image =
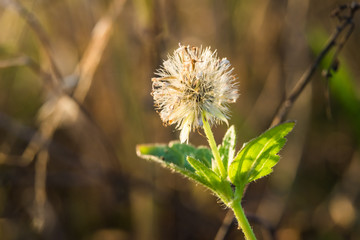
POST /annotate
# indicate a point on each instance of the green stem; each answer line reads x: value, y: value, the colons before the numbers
x: 214, y: 149
x: 242, y: 220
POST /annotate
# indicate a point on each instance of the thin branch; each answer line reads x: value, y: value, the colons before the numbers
x: 14, y: 62
x: 40, y: 190
x: 49, y: 122
x: 225, y: 227
x: 35, y: 25
x: 287, y: 104
x: 333, y: 67
x: 90, y: 61
x: 27, y: 61
x: 60, y: 107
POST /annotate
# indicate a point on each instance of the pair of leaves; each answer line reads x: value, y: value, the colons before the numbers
x: 255, y: 160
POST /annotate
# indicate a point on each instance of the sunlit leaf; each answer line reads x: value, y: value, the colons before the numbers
x: 203, y: 171
x: 257, y: 157
x: 174, y: 156
x: 227, y: 147
x: 194, y: 163
x: 220, y: 186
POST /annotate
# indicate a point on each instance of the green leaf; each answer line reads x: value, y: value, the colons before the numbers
x: 203, y: 171
x: 203, y: 154
x: 227, y: 148
x: 257, y: 157
x: 194, y: 163
x: 174, y: 156
x: 221, y: 187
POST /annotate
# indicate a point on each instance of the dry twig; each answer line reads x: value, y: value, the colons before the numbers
x: 35, y: 25
x: 345, y: 22
x: 59, y: 108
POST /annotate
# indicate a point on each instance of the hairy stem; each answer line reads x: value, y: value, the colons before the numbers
x: 242, y: 220
x: 214, y: 149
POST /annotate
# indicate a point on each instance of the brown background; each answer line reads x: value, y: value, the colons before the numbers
x: 80, y: 177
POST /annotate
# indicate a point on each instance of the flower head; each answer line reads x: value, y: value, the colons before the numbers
x: 193, y: 83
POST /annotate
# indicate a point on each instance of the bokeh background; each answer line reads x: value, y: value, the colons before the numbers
x: 75, y: 101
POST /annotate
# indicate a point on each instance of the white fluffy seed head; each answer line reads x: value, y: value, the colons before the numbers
x: 194, y: 82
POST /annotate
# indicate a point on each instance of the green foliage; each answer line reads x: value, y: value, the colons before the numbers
x: 194, y: 163
x: 255, y: 160
x: 220, y: 186
x: 257, y: 157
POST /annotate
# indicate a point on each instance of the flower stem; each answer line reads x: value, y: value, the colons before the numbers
x: 242, y: 220
x: 214, y: 149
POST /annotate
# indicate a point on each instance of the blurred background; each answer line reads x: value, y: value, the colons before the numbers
x: 75, y: 83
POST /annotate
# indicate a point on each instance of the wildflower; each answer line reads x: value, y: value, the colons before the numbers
x: 194, y: 83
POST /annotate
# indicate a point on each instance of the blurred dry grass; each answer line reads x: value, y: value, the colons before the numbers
x: 75, y: 100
